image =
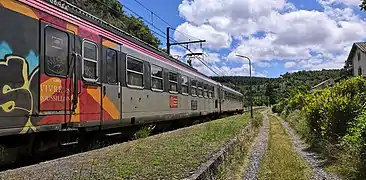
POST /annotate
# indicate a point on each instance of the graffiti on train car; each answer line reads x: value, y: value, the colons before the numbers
x: 16, y: 98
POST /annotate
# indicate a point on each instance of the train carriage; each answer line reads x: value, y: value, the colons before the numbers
x: 65, y: 70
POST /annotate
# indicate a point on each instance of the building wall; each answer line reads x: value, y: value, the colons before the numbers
x: 359, y: 63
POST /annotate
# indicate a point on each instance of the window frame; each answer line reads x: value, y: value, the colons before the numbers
x: 171, y: 81
x: 116, y: 68
x: 132, y: 71
x: 160, y: 78
x: 185, y: 85
x: 205, y: 90
x: 90, y: 60
x: 359, y: 71
x: 44, y: 51
x: 358, y: 56
x: 210, y: 92
x: 200, y: 88
x: 194, y: 87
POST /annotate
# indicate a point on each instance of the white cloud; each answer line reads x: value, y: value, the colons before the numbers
x: 290, y: 64
x: 346, y: 2
x: 215, y: 39
x: 307, y: 39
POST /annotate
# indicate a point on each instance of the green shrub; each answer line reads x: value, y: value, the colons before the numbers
x: 300, y: 124
x: 330, y: 111
x: 144, y: 132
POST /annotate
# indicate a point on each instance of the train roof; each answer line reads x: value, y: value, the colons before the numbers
x: 231, y: 90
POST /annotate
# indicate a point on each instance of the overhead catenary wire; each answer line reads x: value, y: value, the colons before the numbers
x: 163, y: 20
x: 161, y: 32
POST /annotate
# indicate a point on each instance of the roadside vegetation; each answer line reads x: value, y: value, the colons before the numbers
x: 281, y: 161
x: 238, y: 159
x: 171, y: 155
x: 333, y: 122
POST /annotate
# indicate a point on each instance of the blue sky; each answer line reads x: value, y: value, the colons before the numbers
x: 278, y: 35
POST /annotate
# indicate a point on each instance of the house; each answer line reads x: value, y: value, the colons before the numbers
x: 323, y: 85
x: 356, y: 61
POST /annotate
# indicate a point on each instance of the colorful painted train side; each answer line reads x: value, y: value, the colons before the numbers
x: 65, y: 71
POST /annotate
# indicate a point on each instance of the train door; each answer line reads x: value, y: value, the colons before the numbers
x: 112, y: 90
x: 56, y: 68
x: 219, y: 97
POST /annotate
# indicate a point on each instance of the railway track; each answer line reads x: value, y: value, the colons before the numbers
x: 101, y: 141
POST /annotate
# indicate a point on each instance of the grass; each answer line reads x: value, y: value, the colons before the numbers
x: 281, y: 161
x: 171, y: 155
x: 238, y: 160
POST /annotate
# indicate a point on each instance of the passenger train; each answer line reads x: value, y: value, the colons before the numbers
x: 66, y: 71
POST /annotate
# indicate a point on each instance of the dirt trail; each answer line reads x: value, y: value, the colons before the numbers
x: 260, y: 147
x: 310, y: 157
x: 258, y: 151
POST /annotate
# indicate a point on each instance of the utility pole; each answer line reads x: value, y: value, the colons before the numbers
x: 168, y: 44
x: 250, y: 84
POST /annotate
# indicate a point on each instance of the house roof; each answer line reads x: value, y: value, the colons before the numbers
x: 359, y: 45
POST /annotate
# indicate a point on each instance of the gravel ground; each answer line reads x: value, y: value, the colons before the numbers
x: 258, y: 151
x: 310, y: 157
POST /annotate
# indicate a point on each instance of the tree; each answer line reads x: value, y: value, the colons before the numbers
x: 112, y: 12
x: 363, y: 5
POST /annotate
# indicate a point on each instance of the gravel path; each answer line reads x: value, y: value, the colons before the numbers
x: 258, y: 151
x: 310, y: 157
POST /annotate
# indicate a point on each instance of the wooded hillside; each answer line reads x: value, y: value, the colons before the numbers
x: 272, y: 90
x: 112, y: 12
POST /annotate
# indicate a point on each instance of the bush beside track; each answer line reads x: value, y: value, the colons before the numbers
x: 172, y: 155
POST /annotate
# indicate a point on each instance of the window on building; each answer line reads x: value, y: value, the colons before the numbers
x: 359, y: 71
x: 56, y: 52
x: 135, y: 72
x: 200, y: 89
x: 156, y: 77
x: 173, y: 82
x: 184, y: 84
x: 194, y: 87
x: 90, y: 61
x: 358, y: 56
x: 111, y: 66
x: 205, y: 91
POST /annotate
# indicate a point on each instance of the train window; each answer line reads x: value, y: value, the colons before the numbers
x: 210, y: 91
x: 184, y: 84
x: 205, y: 91
x: 135, y: 72
x: 156, y: 77
x: 90, y: 61
x: 194, y: 87
x: 111, y: 68
x: 173, y: 82
x: 200, y: 89
x: 56, y: 52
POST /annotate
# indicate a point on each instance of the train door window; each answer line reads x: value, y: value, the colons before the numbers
x: 173, y: 82
x: 184, y: 85
x: 135, y: 73
x: 111, y: 68
x: 200, y: 89
x: 156, y: 78
x: 194, y: 87
x: 90, y: 61
x: 205, y: 91
x: 56, y: 52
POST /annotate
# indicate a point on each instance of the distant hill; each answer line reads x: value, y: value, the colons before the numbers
x: 273, y: 90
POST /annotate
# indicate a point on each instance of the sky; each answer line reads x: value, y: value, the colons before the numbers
x: 278, y: 36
